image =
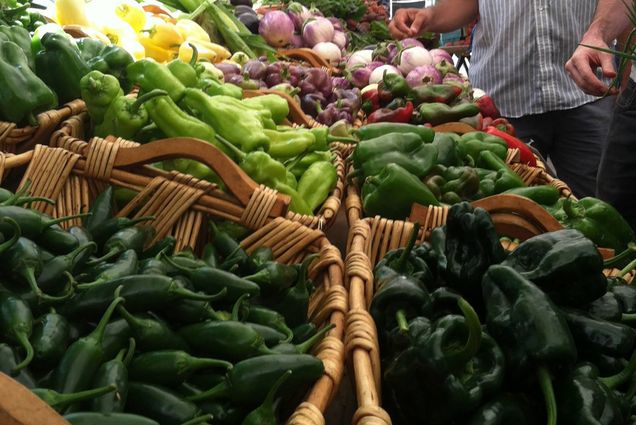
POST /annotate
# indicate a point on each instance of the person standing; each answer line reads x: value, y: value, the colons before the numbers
x: 519, y: 51
x: 617, y: 171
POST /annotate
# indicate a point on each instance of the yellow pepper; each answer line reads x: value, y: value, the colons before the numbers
x: 71, y: 12
x: 134, y: 47
x: 204, y: 54
x: 163, y: 34
x: 154, y: 51
x: 131, y: 12
x: 190, y: 30
x: 221, y: 52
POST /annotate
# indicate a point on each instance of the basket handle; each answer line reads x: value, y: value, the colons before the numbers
x: 238, y: 183
x: 307, y: 55
x: 19, y: 405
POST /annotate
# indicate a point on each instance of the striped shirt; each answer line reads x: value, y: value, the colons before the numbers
x: 519, y: 52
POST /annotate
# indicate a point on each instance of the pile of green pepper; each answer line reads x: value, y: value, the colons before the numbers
x: 472, y: 335
x: 107, y: 330
x: 413, y: 164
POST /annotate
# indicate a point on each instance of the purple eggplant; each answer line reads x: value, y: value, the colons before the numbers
x: 332, y: 113
x: 250, y: 21
x: 349, y: 98
x: 316, y: 80
x: 255, y: 68
x: 340, y: 83
x: 312, y: 103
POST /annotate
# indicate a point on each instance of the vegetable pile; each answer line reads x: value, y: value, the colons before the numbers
x: 186, y: 100
x: 107, y: 331
x: 470, y: 334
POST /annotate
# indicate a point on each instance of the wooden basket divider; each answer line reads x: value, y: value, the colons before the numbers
x: 311, y: 57
x: 16, y: 139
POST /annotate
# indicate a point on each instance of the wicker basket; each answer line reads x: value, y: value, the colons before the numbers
x: 369, y: 240
x: 14, y: 139
x: 72, y: 179
x: 75, y: 129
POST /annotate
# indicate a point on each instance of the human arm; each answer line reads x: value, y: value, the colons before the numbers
x: 445, y: 16
x: 610, y: 22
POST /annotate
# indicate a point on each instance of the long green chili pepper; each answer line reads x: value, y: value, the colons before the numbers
x: 125, y: 265
x: 24, y: 262
x: 21, y: 196
x: 265, y: 414
x: 294, y: 304
x: 95, y: 418
x: 170, y: 367
x: 133, y: 238
x: 83, y: 237
x: 83, y: 358
x: 152, y: 333
x: 16, y: 324
x: 101, y: 210
x: 53, y: 270
x: 115, y: 373
x: 249, y: 381
x: 116, y: 336
x: 228, y: 248
x: 5, y: 245
x: 209, y: 280
x: 32, y: 223
x: 60, y: 401
x: 51, y: 336
x: 113, y: 225
x: 229, y: 340
x: 160, y: 404
x: 8, y: 364
x: 166, y: 245
x: 271, y: 318
x: 305, y: 346
x: 143, y: 292
x: 57, y: 240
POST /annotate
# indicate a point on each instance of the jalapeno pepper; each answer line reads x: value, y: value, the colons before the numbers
x: 94, y: 418
x: 51, y: 336
x: 125, y: 265
x: 8, y: 363
x: 52, y: 273
x: 160, y: 404
x: 152, y: 333
x: 114, y: 373
x: 16, y: 324
x: 265, y: 413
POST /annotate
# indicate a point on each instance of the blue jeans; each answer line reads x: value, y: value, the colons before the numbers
x: 572, y: 139
x: 617, y: 171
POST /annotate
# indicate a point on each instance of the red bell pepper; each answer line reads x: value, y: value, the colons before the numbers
x: 370, y: 101
x: 525, y: 154
x: 402, y: 114
x: 504, y: 125
x: 487, y: 107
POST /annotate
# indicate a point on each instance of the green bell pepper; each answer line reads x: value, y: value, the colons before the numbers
x: 398, y: 299
x: 532, y: 332
x: 471, y: 246
x: 277, y: 105
x: 22, y: 38
x: 152, y: 75
x: 418, y: 161
x: 564, y: 264
x: 448, y: 372
x: 454, y: 184
x: 596, y: 336
x: 99, y: 91
x: 405, y: 261
x: 60, y: 66
x: 503, y: 410
x: 597, y: 220
x: 396, y: 84
x: 473, y: 143
x: 447, y: 145
x: 584, y: 398
x: 544, y: 194
x: 107, y: 58
x: 440, y: 113
x: 393, y: 191
x: 375, y: 130
x: 215, y: 88
x: 238, y: 126
x: 391, y: 142
x: 434, y: 93
x: 126, y: 116
x: 317, y: 182
x: 288, y: 144
x: 22, y: 93
x: 506, y: 178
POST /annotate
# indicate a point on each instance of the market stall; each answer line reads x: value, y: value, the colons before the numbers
x: 168, y: 170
